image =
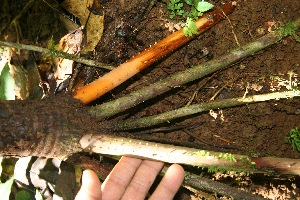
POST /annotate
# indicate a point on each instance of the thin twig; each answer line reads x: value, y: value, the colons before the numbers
x: 222, y: 88
x: 59, y: 54
x: 232, y: 30
x: 201, y: 86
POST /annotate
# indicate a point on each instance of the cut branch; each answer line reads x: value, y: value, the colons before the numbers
x: 121, y: 104
x: 201, y: 107
x: 144, y: 59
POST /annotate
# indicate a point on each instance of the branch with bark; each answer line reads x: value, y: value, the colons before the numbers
x: 201, y: 107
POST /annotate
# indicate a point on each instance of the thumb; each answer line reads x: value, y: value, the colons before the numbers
x: 90, y: 188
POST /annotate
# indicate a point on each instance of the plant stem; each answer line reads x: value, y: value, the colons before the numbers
x: 144, y: 59
x: 60, y: 54
x: 114, y: 145
x: 197, y: 108
x: 121, y: 104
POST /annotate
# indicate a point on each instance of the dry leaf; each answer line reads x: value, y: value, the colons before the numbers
x: 94, y: 26
x: 70, y: 43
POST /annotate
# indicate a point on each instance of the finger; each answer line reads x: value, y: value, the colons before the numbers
x: 90, y: 188
x: 143, y: 179
x: 117, y: 181
x: 170, y: 183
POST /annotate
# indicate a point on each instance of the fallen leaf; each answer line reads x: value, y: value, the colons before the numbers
x: 95, y: 23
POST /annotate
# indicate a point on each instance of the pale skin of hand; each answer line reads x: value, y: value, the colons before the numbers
x: 131, y: 178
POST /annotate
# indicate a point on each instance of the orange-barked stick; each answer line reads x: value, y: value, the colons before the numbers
x: 139, y: 62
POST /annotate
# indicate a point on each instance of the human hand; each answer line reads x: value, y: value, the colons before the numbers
x: 131, y: 178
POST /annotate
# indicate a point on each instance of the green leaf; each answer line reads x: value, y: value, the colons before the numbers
x: 294, y: 139
x: 296, y: 37
x: 23, y: 195
x: 171, y: 7
x: 172, y: 15
x: 189, y: 2
x: 180, y: 12
x: 190, y: 27
x: 195, y: 13
x: 7, y: 84
x: 203, y: 6
x: 5, y: 188
x: 178, y: 6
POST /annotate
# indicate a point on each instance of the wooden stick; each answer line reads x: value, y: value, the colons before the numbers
x: 201, y: 107
x: 120, y: 146
x: 139, y: 62
x: 115, y: 145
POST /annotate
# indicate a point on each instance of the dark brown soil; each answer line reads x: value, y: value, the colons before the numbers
x: 130, y: 27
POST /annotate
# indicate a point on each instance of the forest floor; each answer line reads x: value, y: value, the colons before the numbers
x: 259, y: 128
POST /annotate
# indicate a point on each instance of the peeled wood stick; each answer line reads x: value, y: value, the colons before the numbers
x: 139, y: 62
x: 120, y: 146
